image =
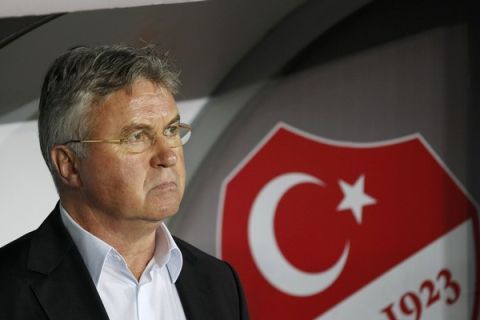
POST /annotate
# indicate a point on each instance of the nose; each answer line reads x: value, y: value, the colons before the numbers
x: 163, y: 155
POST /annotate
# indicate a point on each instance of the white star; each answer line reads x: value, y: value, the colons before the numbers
x: 354, y: 198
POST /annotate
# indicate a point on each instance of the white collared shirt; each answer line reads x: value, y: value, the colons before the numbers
x: 153, y: 296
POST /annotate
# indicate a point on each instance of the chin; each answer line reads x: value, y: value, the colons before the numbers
x: 161, y: 212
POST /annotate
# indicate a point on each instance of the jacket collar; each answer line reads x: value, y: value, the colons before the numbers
x: 193, y: 287
x: 50, y: 243
x: 66, y: 291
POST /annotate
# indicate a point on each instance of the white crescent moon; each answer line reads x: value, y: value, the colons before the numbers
x: 266, y: 253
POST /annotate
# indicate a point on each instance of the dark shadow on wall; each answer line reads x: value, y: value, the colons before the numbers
x: 375, y: 24
x: 473, y: 164
x: 14, y: 28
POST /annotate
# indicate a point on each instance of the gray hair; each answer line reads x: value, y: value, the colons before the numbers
x: 83, y: 76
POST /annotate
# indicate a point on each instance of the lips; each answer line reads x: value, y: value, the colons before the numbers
x: 166, y: 186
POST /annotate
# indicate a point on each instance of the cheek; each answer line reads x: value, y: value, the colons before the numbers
x: 130, y: 174
x: 125, y: 185
x: 116, y: 176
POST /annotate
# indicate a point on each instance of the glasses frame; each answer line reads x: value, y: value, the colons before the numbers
x: 124, y: 140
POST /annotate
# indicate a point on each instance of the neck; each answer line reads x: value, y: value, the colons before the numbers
x: 133, y: 239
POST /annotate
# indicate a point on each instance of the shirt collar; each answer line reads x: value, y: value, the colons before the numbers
x: 94, y: 251
x: 167, y: 251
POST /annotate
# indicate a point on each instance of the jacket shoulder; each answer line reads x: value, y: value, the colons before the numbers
x: 194, y: 252
x: 201, y: 258
x: 13, y: 256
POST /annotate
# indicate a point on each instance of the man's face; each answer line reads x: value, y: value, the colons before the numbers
x: 124, y: 185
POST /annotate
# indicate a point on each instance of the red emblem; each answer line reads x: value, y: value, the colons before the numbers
x: 320, y: 229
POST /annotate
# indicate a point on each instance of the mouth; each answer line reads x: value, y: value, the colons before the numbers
x: 166, y: 186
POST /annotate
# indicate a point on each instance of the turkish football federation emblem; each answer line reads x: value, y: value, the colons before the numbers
x: 320, y: 229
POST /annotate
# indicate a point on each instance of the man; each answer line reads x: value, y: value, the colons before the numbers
x: 111, y: 136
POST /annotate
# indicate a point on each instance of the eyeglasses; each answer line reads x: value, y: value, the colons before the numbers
x: 176, y: 135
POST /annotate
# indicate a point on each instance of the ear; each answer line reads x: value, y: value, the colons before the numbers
x: 66, y: 164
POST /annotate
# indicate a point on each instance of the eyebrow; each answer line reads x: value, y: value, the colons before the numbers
x: 175, y: 119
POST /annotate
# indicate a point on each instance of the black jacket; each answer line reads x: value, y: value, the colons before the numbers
x: 43, y: 276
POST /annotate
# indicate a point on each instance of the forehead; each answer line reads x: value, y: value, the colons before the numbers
x: 144, y: 102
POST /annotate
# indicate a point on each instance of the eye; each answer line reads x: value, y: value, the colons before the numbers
x: 138, y: 137
x: 171, y: 130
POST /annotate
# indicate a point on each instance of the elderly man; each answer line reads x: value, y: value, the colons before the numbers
x: 112, y: 138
